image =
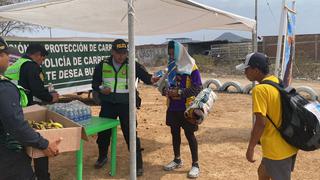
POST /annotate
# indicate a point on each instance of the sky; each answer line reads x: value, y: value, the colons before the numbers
x: 268, y: 21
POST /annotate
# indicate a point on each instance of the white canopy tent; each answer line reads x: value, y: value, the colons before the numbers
x: 152, y: 17
x: 125, y: 17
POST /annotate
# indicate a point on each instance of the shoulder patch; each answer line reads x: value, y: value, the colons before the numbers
x: 41, y: 76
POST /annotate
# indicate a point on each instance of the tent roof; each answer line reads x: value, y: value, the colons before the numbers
x: 152, y: 17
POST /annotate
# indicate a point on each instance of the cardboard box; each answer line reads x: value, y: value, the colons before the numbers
x: 71, y: 133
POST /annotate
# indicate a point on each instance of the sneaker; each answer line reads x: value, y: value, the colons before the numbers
x: 194, y: 172
x: 100, y: 162
x: 172, y: 165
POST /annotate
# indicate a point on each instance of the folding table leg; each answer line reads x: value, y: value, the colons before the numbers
x: 79, y: 161
x: 114, y: 151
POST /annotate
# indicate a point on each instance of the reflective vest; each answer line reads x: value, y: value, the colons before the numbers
x: 13, y: 71
x: 22, y: 93
x: 117, y: 81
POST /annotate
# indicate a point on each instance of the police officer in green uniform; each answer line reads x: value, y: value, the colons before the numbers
x: 15, y: 132
x: 110, y: 80
x: 27, y: 72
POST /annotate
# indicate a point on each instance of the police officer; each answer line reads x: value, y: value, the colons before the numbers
x: 27, y: 72
x: 15, y: 133
x: 110, y: 80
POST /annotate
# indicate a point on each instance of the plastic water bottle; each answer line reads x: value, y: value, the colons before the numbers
x: 80, y: 113
x: 87, y: 113
x: 72, y: 115
x: 68, y: 113
x: 159, y: 73
x: 76, y: 114
x: 74, y: 110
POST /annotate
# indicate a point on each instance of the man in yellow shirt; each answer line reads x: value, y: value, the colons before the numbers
x: 278, y: 156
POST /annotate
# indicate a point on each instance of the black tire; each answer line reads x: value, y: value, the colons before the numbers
x: 216, y: 82
x: 235, y: 84
x: 306, y: 89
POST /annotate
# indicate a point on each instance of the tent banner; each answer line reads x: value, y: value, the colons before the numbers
x: 289, y: 51
x: 69, y: 63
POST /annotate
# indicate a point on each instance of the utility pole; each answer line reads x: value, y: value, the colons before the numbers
x: 255, y: 30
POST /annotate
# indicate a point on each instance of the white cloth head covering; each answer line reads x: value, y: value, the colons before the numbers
x: 183, y: 60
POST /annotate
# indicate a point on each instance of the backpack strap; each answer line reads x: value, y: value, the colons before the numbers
x: 280, y: 88
x: 272, y: 122
x: 276, y: 85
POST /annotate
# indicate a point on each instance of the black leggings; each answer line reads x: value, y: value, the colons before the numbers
x: 176, y: 141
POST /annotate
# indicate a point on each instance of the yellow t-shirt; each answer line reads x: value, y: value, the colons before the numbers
x: 267, y: 100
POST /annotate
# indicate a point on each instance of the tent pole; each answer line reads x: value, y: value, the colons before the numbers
x: 132, y: 91
x: 255, y: 46
x: 277, y: 69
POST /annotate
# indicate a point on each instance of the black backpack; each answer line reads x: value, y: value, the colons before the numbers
x: 299, y: 126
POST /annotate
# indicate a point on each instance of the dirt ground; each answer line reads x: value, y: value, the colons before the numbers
x: 222, y: 139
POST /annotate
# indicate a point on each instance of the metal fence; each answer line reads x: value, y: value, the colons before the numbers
x: 230, y: 51
x: 307, y: 60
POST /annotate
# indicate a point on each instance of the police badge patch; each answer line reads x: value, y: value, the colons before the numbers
x: 41, y: 76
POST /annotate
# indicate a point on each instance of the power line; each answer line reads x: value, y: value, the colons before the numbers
x: 268, y: 4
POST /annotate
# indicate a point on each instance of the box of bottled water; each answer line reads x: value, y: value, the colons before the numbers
x: 74, y: 110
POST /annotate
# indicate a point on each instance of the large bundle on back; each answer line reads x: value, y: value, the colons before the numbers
x: 201, y: 106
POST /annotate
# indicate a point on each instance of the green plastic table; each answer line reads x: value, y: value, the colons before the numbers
x: 93, y: 126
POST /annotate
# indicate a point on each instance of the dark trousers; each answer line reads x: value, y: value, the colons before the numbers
x: 15, y: 165
x: 41, y: 168
x: 110, y: 110
x: 176, y: 121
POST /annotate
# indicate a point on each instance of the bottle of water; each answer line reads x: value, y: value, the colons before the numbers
x: 74, y: 110
x: 88, y: 111
x: 80, y: 113
x: 68, y: 113
x: 72, y: 115
x: 83, y: 113
x: 60, y: 111
x: 76, y: 114
x: 78, y: 110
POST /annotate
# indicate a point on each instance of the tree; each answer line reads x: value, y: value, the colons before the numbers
x: 7, y: 27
